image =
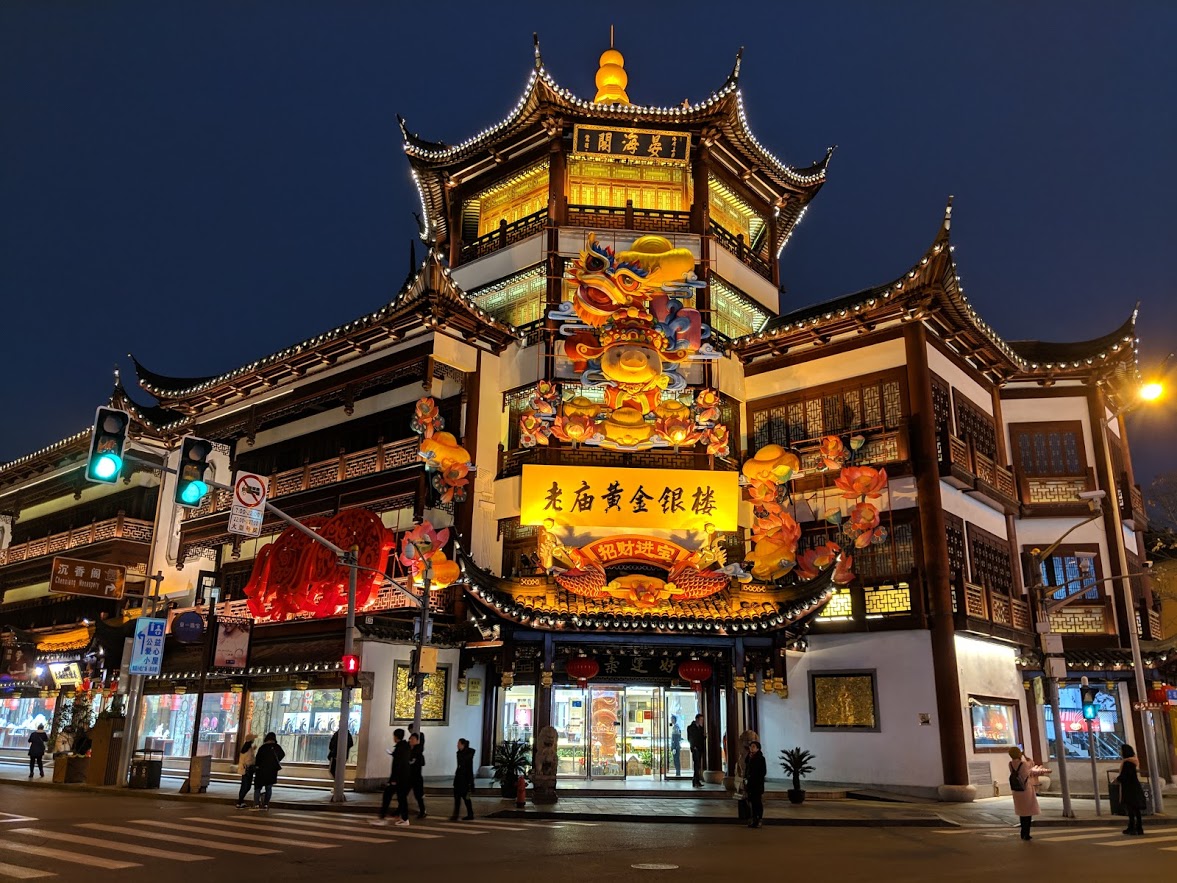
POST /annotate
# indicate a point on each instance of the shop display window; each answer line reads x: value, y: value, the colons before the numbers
x: 304, y: 721
x: 20, y: 717
x: 995, y: 723
x: 166, y: 723
x: 518, y: 713
x: 1107, y: 728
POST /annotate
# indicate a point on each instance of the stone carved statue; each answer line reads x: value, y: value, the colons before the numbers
x: 543, y: 774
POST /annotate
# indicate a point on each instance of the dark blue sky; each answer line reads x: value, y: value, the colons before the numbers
x: 237, y: 165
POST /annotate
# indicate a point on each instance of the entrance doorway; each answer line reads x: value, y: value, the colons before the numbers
x: 624, y: 732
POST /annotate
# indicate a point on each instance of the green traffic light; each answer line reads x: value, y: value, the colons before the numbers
x: 107, y: 466
x: 194, y: 492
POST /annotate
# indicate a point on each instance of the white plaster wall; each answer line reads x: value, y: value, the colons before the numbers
x: 519, y: 367
x: 868, y: 360
x: 972, y: 510
x: 903, y: 753
x: 484, y: 544
x: 499, y: 264
x: 465, y: 721
x: 745, y: 278
x: 960, y: 380
x: 985, y: 668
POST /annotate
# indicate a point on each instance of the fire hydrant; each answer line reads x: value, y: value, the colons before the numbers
x: 521, y: 792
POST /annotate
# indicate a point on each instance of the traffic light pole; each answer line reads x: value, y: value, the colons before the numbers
x: 1094, y: 768
x: 343, y: 731
x: 422, y: 637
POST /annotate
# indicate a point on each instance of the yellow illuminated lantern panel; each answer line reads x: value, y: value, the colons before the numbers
x: 594, y: 496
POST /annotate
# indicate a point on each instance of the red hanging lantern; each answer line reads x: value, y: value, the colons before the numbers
x: 226, y: 701
x: 14, y: 703
x: 583, y: 668
x: 177, y: 702
x: 696, y: 671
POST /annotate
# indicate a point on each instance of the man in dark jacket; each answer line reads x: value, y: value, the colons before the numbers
x: 266, y: 764
x: 333, y: 750
x: 399, y: 781
x: 697, y: 739
x: 464, y: 780
x: 38, y: 739
x: 417, y: 767
x: 755, y: 772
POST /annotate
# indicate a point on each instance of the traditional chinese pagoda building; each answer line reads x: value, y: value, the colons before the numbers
x: 661, y: 496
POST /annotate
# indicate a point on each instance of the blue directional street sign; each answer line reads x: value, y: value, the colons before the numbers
x: 147, y: 654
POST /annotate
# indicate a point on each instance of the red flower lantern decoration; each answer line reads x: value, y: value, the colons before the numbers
x: 696, y: 671
x: 583, y: 668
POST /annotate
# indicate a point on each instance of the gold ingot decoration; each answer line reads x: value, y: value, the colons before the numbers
x: 626, y: 426
x: 579, y: 406
x: 442, y: 450
x: 772, y: 463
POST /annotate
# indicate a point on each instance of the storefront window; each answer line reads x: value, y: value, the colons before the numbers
x: 518, y: 711
x: 995, y: 723
x: 303, y: 720
x: 20, y: 717
x: 166, y: 724
x: 1107, y: 728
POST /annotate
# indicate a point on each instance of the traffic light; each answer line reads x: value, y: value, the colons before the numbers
x: 191, y: 487
x: 351, y: 670
x: 1090, y: 712
x: 106, y: 445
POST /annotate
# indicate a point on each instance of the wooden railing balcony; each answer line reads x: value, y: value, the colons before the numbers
x: 881, y: 446
x: 737, y: 246
x: 650, y: 220
x: 964, y: 467
x: 118, y: 528
x: 511, y: 462
x: 506, y: 234
x: 1081, y: 619
x: 1055, y: 495
x: 996, y: 607
x: 392, y: 455
x: 1131, y: 501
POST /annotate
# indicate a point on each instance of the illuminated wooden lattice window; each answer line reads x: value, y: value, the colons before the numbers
x: 1043, y: 450
x: 864, y: 403
x: 838, y: 608
x: 611, y: 183
x: 1073, y: 570
x: 974, y: 425
x: 734, y: 215
x: 990, y: 559
x: 516, y: 300
x: 520, y: 542
x: 734, y: 314
x: 517, y: 197
x: 887, y: 600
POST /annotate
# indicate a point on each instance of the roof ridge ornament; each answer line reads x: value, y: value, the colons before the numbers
x: 539, y: 59
x: 611, y: 77
x: 735, y: 75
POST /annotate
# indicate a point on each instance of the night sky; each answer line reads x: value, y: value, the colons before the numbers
x: 206, y: 183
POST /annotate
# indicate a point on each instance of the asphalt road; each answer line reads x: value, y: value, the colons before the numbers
x: 100, y: 837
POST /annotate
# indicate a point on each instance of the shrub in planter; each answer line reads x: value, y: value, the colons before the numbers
x: 510, y: 761
x: 795, y: 763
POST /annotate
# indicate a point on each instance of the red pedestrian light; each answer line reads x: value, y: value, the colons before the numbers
x: 351, y: 665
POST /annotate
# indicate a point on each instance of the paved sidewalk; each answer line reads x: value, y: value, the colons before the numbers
x: 710, y: 807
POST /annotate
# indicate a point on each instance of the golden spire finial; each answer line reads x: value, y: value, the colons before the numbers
x: 611, y: 76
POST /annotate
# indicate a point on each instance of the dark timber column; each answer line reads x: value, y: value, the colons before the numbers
x: 490, y: 702
x: 1117, y: 562
x: 543, y: 690
x: 937, y: 572
x: 713, y: 763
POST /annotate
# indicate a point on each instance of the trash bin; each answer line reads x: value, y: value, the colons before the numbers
x: 146, y: 768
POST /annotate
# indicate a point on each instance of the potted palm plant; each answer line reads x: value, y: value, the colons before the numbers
x: 511, y: 761
x: 795, y: 763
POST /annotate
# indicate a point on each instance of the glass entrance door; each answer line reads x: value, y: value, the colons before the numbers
x: 680, y: 708
x: 606, y: 760
x: 644, y: 733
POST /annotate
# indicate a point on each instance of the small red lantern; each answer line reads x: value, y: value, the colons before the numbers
x: 583, y: 668
x: 696, y: 671
x: 226, y: 701
x: 177, y: 702
x: 14, y: 703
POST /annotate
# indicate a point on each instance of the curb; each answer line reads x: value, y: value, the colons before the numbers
x: 722, y: 820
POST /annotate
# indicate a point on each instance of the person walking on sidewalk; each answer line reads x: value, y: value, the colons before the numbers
x: 38, y: 739
x: 464, y: 780
x: 755, y: 772
x: 1131, y: 791
x: 417, y: 772
x: 333, y: 750
x: 245, y: 763
x: 266, y: 764
x: 399, y: 781
x: 697, y: 739
x: 1023, y: 783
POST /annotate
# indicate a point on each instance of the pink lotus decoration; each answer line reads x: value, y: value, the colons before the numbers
x: 813, y: 561
x: 833, y: 452
x: 864, y: 522
x: 859, y: 482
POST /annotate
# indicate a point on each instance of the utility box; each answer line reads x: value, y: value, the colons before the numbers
x: 200, y: 770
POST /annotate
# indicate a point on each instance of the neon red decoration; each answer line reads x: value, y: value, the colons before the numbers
x: 296, y: 576
x: 583, y: 668
x: 696, y: 671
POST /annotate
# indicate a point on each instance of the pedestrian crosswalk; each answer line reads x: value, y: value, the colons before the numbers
x: 1163, y: 839
x: 34, y: 849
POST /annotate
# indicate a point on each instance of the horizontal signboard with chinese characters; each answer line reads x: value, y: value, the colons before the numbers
x: 72, y: 576
x: 623, y: 143
x: 654, y: 499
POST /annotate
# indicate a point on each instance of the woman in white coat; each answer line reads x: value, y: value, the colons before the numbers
x: 1026, y: 773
